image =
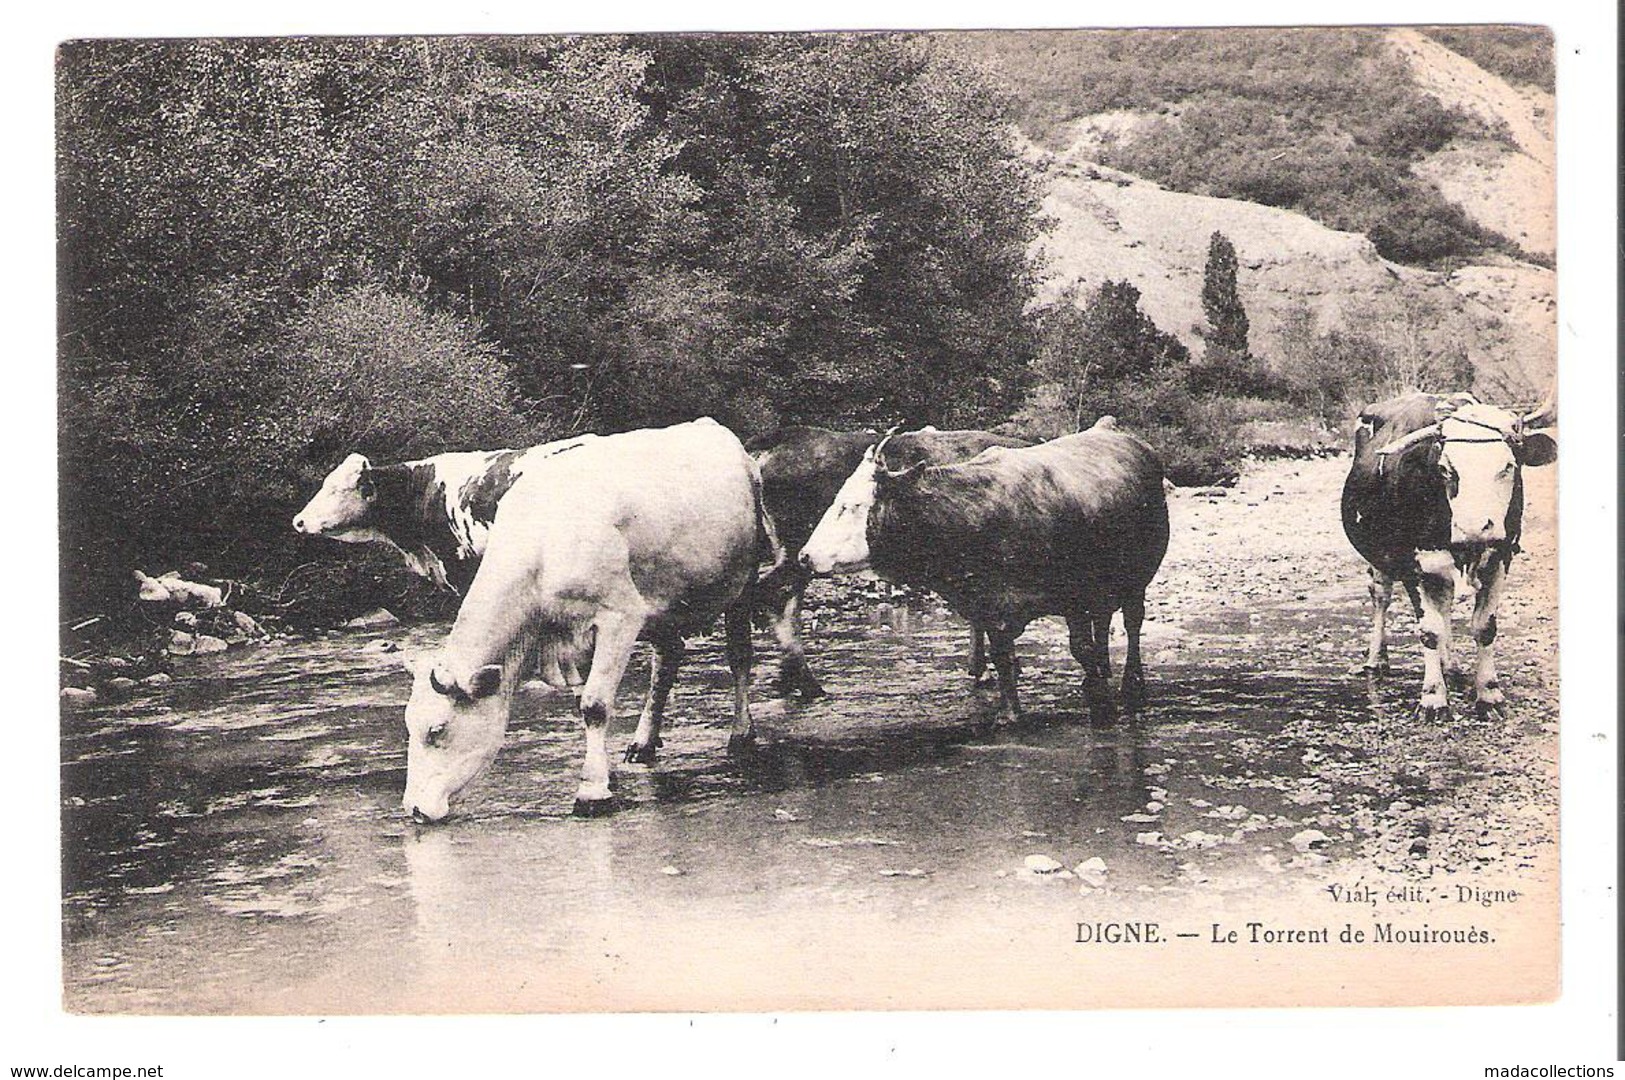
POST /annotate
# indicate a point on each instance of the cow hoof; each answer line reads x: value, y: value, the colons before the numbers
x: 1368, y: 668
x: 741, y: 745
x: 1491, y: 710
x: 985, y: 681
x: 640, y: 754
x: 1434, y: 714
x: 803, y: 687
x: 809, y: 689
x: 592, y: 808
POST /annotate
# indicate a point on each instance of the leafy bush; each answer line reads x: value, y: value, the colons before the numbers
x: 1106, y: 356
x: 1234, y: 374
x: 1334, y: 373
x: 378, y: 373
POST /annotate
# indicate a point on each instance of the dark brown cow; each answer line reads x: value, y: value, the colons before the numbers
x: 1075, y: 527
x: 802, y: 470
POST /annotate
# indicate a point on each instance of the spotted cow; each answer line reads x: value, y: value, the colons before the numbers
x: 1436, y: 491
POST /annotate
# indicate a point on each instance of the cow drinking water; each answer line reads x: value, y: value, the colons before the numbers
x: 1436, y: 489
x: 646, y: 534
x: 1075, y: 527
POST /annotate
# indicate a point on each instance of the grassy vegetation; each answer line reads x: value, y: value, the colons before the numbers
x: 1326, y: 122
x: 1522, y: 55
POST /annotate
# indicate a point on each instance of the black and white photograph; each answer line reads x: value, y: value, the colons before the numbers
x: 816, y: 521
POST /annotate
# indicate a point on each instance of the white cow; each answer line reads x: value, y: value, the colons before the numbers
x: 649, y: 534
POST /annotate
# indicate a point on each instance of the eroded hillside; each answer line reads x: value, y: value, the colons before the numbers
x: 1108, y: 224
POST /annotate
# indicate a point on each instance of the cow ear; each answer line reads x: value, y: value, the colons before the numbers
x: 1539, y: 449
x: 485, y: 681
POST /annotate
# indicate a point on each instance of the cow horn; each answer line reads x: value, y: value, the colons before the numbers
x: 437, y: 686
x: 1404, y: 443
x: 1545, y: 414
x: 880, y: 446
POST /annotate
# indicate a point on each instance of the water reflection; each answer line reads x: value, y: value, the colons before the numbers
x: 235, y: 843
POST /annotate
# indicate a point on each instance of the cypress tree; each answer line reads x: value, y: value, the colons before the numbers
x: 1226, y: 318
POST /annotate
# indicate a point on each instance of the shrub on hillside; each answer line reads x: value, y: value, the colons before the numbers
x: 1334, y: 373
x: 1107, y: 357
x: 1522, y: 55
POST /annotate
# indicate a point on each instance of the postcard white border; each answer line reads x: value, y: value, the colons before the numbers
x: 1578, y: 1029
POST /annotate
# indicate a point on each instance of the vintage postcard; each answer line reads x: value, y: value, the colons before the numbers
x: 975, y: 520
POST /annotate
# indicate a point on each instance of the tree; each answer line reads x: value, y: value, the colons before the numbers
x: 271, y: 250
x: 1226, y: 318
x: 1091, y: 350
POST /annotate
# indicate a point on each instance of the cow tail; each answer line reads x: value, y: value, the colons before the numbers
x: 769, y: 551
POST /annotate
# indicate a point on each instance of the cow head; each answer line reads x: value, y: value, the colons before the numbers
x: 342, y: 509
x: 454, y: 726
x: 1481, y: 450
x: 840, y: 543
x: 841, y: 539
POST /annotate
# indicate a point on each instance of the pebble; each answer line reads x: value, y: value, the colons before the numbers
x: 157, y: 678
x: 78, y: 695
x: 382, y: 647
x: 121, y: 684
x: 671, y: 871
x: 1041, y: 864
x: 1309, y: 838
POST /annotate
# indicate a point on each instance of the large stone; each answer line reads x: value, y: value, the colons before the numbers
x: 78, y: 695
x: 375, y: 618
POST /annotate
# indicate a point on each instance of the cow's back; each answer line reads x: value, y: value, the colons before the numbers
x: 673, y: 510
x: 930, y: 447
x: 1044, y: 529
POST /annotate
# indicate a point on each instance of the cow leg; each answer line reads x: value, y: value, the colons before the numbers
x: 736, y: 622
x: 1486, y: 686
x: 1381, y: 591
x: 1083, y: 635
x: 1133, y: 668
x: 977, y: 665
x: 668, y: 654
x: 978, y: 652
x: 1101, y: 709
x: 1002, y: 645
x: 795, y: 677
x: 1438, y: 589
x: 617, y: 634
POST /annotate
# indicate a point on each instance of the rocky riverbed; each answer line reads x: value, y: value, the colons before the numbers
x: 233, y: 840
